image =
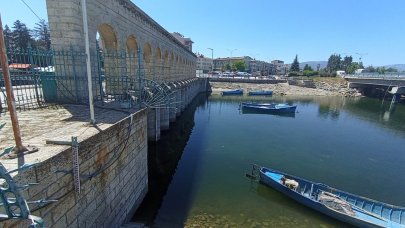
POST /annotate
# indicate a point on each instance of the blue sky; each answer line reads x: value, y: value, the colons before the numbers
x: 272, y: 29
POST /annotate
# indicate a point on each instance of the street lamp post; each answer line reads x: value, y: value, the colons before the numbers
x: 212, y: 56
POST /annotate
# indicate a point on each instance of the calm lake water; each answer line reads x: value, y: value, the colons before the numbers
x: 197, y: 171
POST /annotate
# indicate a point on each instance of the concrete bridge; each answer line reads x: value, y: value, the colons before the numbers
x: 394, y: 84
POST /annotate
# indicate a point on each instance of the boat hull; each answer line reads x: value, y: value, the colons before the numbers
x: 260, y: 93
x: 269, y: 107
x: 363, y: 219
x: 232, y: 92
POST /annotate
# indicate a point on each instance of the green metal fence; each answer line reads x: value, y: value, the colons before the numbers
x: 40, y: 77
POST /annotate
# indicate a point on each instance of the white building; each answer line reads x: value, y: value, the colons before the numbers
x: 204, y: 64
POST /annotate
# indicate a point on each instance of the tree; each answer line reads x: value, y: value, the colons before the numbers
x: 240, y: 65
x: 227, y: 67
x: 308, y: 68
x: 381, y: 70
x: 346, y: 63
x: 8, y: 38
x: 392, y: 70
x: 370, y: 69
x: 42, y: 35
x: 21, y: 35
x: 295, y: 66
x: 353, y: 67
x: 334, y: 63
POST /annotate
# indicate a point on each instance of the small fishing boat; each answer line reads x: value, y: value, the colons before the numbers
x: 260, y: 93
x: 269, y: 107
x: 344, y: 206
x: 233, y: 92
x: 266, y: 112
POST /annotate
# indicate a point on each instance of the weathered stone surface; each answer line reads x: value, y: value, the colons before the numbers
x: 109, y: 179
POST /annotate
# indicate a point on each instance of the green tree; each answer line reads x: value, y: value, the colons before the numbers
x: 308, y: 68
x: 8, y: 37
x: 392, y: 70
x: 353, y: 67
x: 334, y: 63
x: 42, y: 35
x: 381, y: 70
x: 370, y: 69
x: 227, y: 66
x: 346, y: 63
x: 21, y: 35
x: 295, y: 66
x: 240, y: 65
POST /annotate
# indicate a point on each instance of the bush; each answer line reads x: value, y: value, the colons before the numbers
x: 327, y: 74
x: 310, y: 73
x: 294, y: 73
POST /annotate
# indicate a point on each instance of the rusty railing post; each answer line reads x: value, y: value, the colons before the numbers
x: 10, y: 95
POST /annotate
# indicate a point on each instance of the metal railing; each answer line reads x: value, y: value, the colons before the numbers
x: 386, y: 76
x: 40, y: 77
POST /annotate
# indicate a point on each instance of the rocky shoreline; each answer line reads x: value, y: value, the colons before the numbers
x: 323, y: 87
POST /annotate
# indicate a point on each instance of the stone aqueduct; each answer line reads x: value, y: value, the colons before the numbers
x: 122, y: 26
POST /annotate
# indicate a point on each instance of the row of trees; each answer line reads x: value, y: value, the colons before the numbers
x: 295, y: 69
x: 20, y: 37
x: 335, y: 63
x: 380, y: 70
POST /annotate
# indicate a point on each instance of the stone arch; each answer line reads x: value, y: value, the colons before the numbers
x: 147, y: 58
x: 176, y: 66
x: 108, y: 37
x: 166, y: 65
x: 158, y: 63
x: 132, y: 58
x: 132, y: 45
x: 171, y: 75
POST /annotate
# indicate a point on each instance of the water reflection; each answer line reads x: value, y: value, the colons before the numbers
x: 163, y: 158
x: 345, y: 143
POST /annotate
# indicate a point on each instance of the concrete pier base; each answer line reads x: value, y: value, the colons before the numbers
x: 153, y: 124
x: 183, y: 93
x: 164, y: 119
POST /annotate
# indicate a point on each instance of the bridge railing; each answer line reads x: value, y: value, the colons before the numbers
x: 41, y: 77
x: 387, y: 76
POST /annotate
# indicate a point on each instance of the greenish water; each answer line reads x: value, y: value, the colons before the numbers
x: 355, y: 145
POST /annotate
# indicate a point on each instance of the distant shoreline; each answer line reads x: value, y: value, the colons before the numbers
x: 322, y: 88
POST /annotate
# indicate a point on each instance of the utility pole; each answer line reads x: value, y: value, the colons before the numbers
x: 89, y: 81
x: 10, y: 95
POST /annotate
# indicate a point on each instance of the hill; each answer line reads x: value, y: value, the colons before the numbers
x: 399, y: 67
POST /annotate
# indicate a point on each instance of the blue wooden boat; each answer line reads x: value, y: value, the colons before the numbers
x: 260, y: 93
x: 269, y: 107
x: 344, y: 206
x: 232, y: 92
x: 266, y: 112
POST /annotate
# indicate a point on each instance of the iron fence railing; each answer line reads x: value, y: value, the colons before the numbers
x: 40, y: 77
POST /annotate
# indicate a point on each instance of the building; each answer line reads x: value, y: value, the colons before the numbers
x: 204, y: 64
x: 185, y: 41
x: 280, y: 67
x: 252, y: 65
x: 261, y: 67
x: 221, y: 64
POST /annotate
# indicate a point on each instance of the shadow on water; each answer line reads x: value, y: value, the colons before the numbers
x: 163, y: 159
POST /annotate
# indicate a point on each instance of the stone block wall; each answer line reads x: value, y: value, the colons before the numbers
x: 114, y: 179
